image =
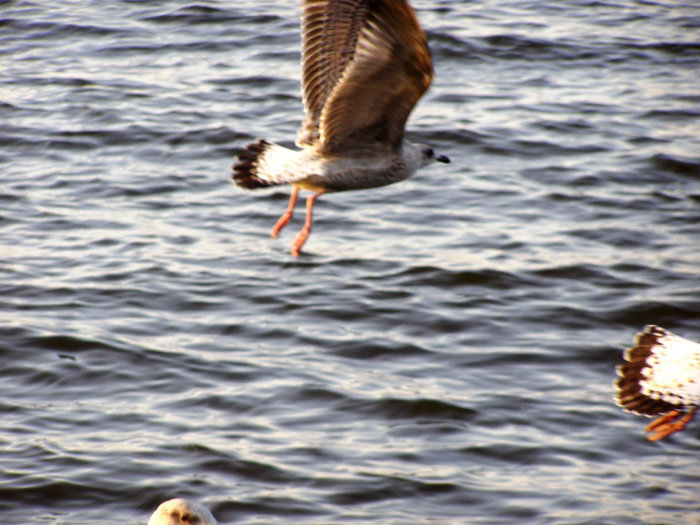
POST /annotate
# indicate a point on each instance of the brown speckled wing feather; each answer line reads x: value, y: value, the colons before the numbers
x: 366, y: 64
x: 329, y: 34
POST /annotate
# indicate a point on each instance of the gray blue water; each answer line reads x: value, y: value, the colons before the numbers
x: 444, y: 350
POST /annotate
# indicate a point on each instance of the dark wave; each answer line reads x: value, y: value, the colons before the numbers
x: 675, y: 164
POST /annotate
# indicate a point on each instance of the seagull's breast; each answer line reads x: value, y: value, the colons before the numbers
x: 362, y: 173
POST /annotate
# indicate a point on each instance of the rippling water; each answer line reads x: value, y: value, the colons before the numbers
x: 443, y: 352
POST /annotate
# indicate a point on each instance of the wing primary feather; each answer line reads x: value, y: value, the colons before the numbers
x: 373, y: 51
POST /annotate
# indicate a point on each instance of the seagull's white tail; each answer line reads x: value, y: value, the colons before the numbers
x: 245, y: 170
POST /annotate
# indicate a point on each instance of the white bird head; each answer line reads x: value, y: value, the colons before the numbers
x: 180, y: 511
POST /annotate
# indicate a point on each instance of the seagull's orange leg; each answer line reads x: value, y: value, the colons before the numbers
x: 668, y: 424
x: 300, y: 239
x: 287, y: 215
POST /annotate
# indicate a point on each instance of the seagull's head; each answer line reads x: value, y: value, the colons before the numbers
x: 180, y: 511
x: 428, y: 155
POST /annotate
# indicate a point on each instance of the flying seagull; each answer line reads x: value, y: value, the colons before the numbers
x: 661, y: 376
x: 366, y: 63
x: 180, y: 511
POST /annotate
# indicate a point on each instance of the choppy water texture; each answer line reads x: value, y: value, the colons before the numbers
x: 442, y: 353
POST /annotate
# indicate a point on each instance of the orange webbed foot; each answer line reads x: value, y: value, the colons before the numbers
x: 300, y: 239
x: 287, y: 215
x: 281, y: 223
x: 668, y: 424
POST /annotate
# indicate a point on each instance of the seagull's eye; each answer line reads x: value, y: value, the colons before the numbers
x: 429, y: 153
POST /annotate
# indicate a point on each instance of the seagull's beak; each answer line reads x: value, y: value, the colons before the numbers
x: 442, y: 158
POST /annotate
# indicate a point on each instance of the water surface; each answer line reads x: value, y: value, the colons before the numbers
x: 443, y: 351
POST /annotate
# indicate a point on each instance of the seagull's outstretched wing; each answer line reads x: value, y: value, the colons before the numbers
x: 662, y: 373
x: 366, y: 63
